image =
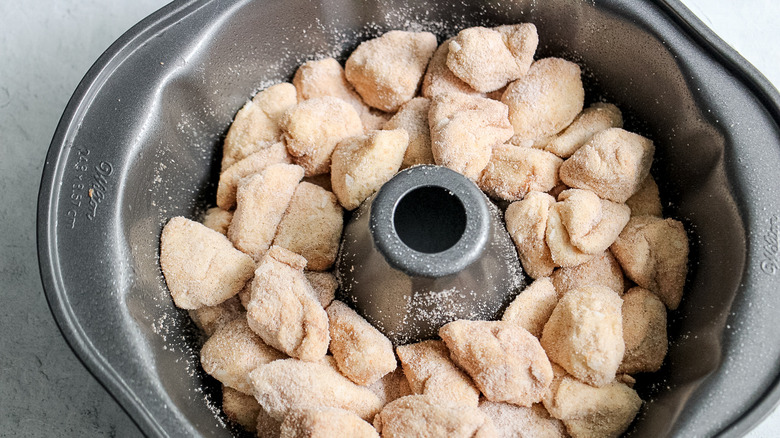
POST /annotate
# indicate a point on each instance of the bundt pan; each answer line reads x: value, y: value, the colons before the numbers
x: 139, y: 143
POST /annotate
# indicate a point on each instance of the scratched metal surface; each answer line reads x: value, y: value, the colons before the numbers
x: 45, y: 390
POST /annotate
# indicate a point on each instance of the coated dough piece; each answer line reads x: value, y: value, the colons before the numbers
x: 581, y: 225
x: 240, y: 408
x: 413, y: 118
x: 430, y: 371
x: 439, y: 79
x: 210, y: 318
x: 514, y: 171
x: 533, y: 306
x: 506, y: 362
x: 464, y: 130
x: 584, y: 335
x: 324, y: 285
x: 526, y: 222
x: 644, y: 332
x: 654, y: 253
x: 312, y: 226
x: 257, y: 124
x: 363, y: 354
x: 521, y: 422
x: 391, y: 387
x: 232, y: 352
x: 283, y: 309
x: 596, y: 118
x: 418, y: 416
x: 253, y: 164
x: 290, y: 385
x: 488, y: 59
x: 546, y: 99
x: 313, y: 127
x: 613, y: 164
x: 188, y: 252
x: 603, y: 270
x: 325, y: 77
x: 326, y: 423
x: 218, y: 219
x: 646, y: 201
x: 362, y: 164
x: 387, y: 71
x: 589, y: 412
x: 262, y: 200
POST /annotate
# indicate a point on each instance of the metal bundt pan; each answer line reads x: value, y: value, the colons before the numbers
x: 144, y: 127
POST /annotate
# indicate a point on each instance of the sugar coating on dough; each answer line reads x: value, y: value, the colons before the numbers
x: 284, y: 310
x: 488, y: 59
x: 464, y: 130
x: 325, y: 77
x: 526, y: 222
x: 311, y: 226
x: 312, y: 128
x: 325, y: 422
x: 506, y: 362
x: 654, y: 254
x: 613, y: 164
x: 512, y: 421
x: 391, y: 386
x: 290, y: 385
x: 413, y: 118
x: 581, y: 225
x: 584, y: 334
x: 324, y: 285
x: 602, y: 270
x: 188, y: 254
x: 240, y: 408
x: 421, y: 416
x: 646, y: 201
x: 232, y: 352
x: 217, y: 219
x: 644, y: 332
x: 257, y: 124
x: 596, y: 118
x: 363, y: 354
x: 546, y: 99
x: 362, y: 164
x: 430, y: 371
x: 532, y: 307
x: 210, y: 318
x: 514, y: 171
x: 252, y: 164
x: 262, y: 200
x: 590, y: 412
x: 439, y: 79
x: 386, y: 71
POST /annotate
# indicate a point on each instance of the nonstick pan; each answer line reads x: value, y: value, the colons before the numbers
x: 139, y: 143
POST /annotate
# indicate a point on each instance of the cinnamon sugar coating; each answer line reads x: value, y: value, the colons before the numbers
x: 313, y: 127
x: 363, y: 354
x: 506, y: 362
x: 430, y: 371
x: 419, y: 416
x: 311, y: 226
x: 233, y: 351
x: 387, y: 71
x: 188, y: 255
x: 584, y: 334
x: 283, y: 309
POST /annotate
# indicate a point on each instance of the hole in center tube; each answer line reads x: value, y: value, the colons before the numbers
x: 429, y: 219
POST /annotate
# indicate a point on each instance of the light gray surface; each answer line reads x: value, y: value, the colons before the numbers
x: 44, y: 390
